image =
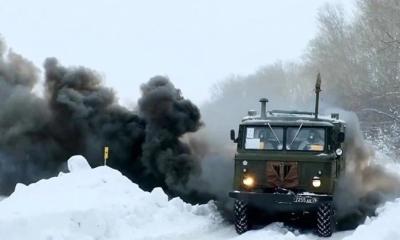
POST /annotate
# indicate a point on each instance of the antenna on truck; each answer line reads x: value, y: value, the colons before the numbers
x: 317, y: 91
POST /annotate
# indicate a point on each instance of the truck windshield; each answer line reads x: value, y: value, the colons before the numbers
x: 305, y: 139
x: 265, y: 137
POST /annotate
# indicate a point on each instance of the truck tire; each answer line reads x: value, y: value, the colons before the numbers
x: 241, y: 215
x: 325, y: 220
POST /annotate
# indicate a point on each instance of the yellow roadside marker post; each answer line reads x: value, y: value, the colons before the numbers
x: 105, y: 155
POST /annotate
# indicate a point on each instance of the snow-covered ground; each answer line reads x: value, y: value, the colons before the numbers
x: 102, y: 204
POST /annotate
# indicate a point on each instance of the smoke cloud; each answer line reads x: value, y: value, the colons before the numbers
x: 168, y: 116
x: 79, y: 115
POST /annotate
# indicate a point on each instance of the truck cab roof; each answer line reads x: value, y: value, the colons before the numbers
x: 291, y: 118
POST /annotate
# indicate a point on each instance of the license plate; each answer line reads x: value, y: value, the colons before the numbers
x: 305, y: 199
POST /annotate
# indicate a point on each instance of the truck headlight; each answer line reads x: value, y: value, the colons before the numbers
x: 316, y: 182
x: 248, y: 181
x: 339, y: 152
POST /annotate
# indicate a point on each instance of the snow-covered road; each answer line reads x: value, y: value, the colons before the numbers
x: 102, y: 204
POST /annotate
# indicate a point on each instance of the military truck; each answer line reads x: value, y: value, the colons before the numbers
x: 288, y: 163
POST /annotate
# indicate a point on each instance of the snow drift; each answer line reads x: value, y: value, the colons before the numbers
x: 98, y: 203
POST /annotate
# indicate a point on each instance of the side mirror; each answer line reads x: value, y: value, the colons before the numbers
x: 233, y: 136
x: 340, y: 137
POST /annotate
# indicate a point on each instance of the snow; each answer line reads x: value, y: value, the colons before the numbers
x: 385, y: 226
x: 77, y: 163
x: 102, y: 204
x: 98, y: 203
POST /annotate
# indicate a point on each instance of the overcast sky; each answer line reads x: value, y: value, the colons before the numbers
x: 195, y: 43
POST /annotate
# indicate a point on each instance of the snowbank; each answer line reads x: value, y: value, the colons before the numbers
x: 98, y: 204
x: 101, y: 204
x: 385, y: 226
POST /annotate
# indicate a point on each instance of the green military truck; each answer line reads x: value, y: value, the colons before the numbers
x: 288, y: 163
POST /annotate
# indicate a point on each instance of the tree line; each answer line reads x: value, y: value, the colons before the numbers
x: 358, y: 58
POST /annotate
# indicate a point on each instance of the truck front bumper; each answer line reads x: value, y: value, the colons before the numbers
x: 282, y: 202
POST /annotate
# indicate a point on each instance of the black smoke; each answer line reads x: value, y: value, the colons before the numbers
x: 78, y: 114
x: 168, y: 117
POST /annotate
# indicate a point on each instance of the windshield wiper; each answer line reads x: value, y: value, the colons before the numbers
x: 273, y: 133
x: 295, y: 136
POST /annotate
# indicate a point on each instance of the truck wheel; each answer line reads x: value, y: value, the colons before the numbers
x: 241, y: 217
x: 325, y: 220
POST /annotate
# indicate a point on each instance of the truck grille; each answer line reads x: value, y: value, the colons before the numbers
x: 282, y: 174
